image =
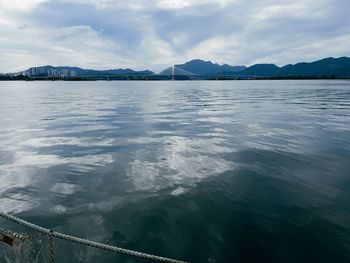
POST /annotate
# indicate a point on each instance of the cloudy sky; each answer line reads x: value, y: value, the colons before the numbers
x: 154, y: 34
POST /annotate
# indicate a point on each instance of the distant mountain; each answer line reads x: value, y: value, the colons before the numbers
x: 260, y: 70
x: 51, y: 71
x: 201, y: 67
x: 328, y: 67
x: 339, y: 67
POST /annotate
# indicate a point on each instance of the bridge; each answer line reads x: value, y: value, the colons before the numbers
x: 176, y: 73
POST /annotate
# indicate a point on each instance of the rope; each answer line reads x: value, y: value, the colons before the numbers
x: 21, y: 237
x: 14, y: 234
x: 86, y: 242
x: 52, y: 253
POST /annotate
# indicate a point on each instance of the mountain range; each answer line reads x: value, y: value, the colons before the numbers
x: 328, y: 67
x: 77, y: 72
x: 337, y: 67
x: 325, y: 68
x: 200, y: 67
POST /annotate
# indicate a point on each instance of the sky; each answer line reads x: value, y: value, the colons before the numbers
x: 154, y: 34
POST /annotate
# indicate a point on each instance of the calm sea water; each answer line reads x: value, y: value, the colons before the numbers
x: 236, y: 171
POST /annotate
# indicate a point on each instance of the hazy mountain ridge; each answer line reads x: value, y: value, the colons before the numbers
x: 260, y: 70
x: 337, y: 67
x: 66, y: 71
x: 201, y: 67
x: 327, y: 67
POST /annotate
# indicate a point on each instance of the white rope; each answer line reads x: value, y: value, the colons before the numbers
x: 86, y: 242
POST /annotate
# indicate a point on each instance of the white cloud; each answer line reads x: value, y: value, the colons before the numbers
x: 20, y: 5
x: 157, y: 33
x: 151, y: 4
x: 77, y: 45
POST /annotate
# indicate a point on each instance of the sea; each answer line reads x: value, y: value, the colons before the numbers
x: 199, y: 171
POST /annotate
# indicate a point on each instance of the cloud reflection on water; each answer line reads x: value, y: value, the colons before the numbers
x: 157, y: 156
x: 156, y: 137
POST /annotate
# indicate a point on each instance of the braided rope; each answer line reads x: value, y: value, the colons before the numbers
x: 14, y: 234
x: 86, y: 242
x: 52, y: 253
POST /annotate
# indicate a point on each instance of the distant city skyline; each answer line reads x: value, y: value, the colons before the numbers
x: 154, y: 34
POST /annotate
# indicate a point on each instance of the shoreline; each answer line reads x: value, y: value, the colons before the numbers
x: 166, y: 78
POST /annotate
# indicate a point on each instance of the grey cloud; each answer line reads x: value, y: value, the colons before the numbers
x: 108, y: 34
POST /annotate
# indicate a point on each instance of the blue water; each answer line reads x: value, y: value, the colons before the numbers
x: 209, y: 171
